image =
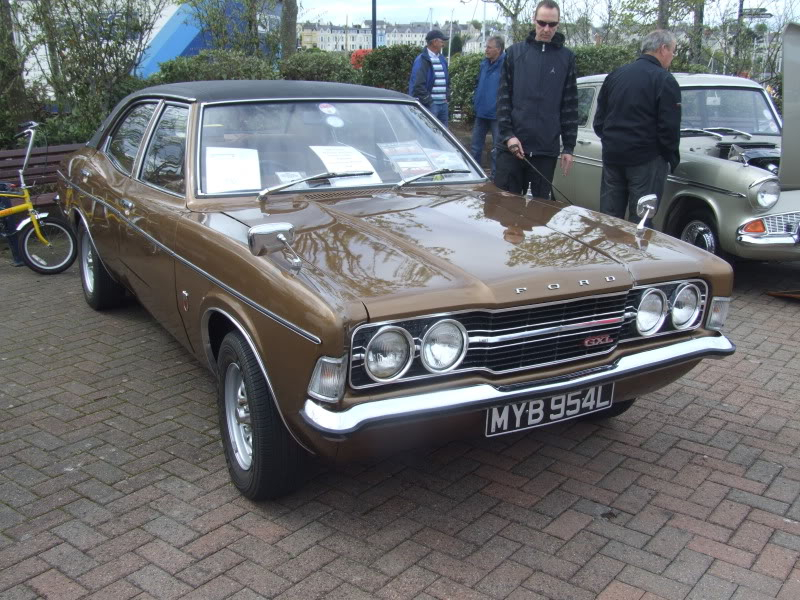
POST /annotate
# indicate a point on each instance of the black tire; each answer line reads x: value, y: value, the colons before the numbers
x: 264, y: 461
x: 699, y: 228
x: 54, y: 258
x: 99, y: 289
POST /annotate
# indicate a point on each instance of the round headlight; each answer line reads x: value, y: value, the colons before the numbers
x: 389, y: 354
x: 765, y: 194
x: 685, y: 306
x: 444, y: 346
x: 651, y: 312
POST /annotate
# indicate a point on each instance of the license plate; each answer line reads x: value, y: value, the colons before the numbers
x: 545, y: 411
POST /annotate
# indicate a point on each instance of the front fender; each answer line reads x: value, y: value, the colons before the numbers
x: 27, y: 220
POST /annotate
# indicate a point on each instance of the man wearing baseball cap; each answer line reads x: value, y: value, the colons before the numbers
x: 430, y: 80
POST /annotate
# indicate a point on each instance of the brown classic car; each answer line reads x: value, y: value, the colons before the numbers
x: 357, y: 286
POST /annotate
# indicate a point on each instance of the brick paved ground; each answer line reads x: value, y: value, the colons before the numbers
x: 113, y: 485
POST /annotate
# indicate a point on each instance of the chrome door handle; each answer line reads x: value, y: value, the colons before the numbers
x: 86, y: 173
x: 128, y: 205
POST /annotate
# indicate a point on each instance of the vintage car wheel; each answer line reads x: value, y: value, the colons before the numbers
x: 263, y: 459
x: 99, y: 289
x: 52, y: 259
x: 699, y: 228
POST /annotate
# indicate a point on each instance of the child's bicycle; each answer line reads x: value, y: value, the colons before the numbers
x: 46, y: 244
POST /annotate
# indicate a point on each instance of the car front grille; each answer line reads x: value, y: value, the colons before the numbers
x: 504, y: 341
x: 783, y: 223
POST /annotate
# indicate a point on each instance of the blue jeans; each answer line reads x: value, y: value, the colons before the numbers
x: 479, y: 130
x: 440, y: 112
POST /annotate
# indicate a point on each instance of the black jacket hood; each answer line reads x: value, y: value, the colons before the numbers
x: 557, y: 41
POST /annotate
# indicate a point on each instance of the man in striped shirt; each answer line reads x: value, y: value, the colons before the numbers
x: 430, y: 80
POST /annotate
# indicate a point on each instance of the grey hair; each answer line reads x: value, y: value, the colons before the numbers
x: 498, y: 41
x: 655, y: 39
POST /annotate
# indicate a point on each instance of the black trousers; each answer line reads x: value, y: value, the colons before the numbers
x: 622, y: 186
x: 514, y: 175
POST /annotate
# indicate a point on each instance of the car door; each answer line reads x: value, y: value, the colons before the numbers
x: 106, y: 176
x: 584, y: 180
x: 156, y: 199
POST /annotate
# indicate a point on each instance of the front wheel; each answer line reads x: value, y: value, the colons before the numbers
x: 699, y: 228
x: 55, y: 256
x: 99, y: 289
x: 263, y: 459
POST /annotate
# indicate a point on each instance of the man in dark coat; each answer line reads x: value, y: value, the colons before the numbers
x: 430, y: 81
x: 537, y: 106
x: 485, y: 99
x: 638, y: 119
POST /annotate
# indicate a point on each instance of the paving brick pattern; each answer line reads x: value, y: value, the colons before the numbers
x: 113, y: 484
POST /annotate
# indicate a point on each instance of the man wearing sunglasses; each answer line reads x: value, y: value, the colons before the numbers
x: 537, y: 107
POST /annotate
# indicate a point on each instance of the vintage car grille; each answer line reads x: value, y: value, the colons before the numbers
x: 784, y: 223
x: 504, y: 341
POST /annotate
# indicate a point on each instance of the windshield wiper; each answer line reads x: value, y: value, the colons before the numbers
x: 702, y: 132
x: 429, y: 174
x: 327, y: 175
x: 729, y: 130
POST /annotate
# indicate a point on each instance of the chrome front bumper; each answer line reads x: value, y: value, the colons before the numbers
x: 342, y: 423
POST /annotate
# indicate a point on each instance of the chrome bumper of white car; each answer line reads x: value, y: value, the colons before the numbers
x: 342, y: 423
x: 787, y: 240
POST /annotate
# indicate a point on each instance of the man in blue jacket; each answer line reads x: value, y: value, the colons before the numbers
x: 485, y: 99
x: 430, y: 82
x: 537, y: 107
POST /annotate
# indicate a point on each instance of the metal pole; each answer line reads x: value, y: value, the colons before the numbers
x: 450, y: 41
x: 374, y: 24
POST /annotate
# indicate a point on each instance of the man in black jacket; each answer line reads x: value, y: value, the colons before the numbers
x: 638, y: 119
x: 537, y: 105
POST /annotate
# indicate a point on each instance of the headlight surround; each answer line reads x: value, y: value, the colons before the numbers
x: 764, y: 194
x: 651, y: 312
x: 686, y: 304
x: 444, y: 346
x: 389, y: 354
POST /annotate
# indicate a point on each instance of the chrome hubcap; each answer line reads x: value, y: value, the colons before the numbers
x: 237, y: 415
x: 699, y: 234
x: 87, y: 264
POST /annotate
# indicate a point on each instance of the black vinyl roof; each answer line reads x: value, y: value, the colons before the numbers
x: 233, y: 90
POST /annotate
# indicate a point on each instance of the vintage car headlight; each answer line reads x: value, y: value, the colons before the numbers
x: 651, y: 312
x: 328, y: 378
x: 389, y: 354
x: 685, y: 306
x: 444, y: 346
x: 764, y: 194
x: 718, y: 313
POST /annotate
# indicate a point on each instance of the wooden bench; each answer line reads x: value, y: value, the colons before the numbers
x: 41, y: 170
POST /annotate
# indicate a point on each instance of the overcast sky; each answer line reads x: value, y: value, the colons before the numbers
x: 394, y: 11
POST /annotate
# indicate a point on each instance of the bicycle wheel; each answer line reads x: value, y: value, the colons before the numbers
x: 53, y: 258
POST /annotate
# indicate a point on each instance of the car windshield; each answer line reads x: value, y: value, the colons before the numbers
x: 741, y: 109
x: 247, y: 147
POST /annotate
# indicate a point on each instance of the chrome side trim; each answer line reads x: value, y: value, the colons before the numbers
x: 704, y: 186
x: 476, y: 397
x: 484, y: 339
x: 261, y: 366
x: 251, y: 303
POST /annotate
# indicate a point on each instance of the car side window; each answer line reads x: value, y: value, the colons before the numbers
x: 585, y: 97
x: 124, y: 142
x: 163, y: 164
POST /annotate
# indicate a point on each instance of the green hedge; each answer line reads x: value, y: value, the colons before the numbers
x: 389, y: 67
x: 464, y: 70
x: 592, y: 60
x: 319, y: 66
x: 212, y: 65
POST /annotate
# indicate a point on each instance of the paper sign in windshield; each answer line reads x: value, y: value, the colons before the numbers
x: 408, y: 158
x: 442, y: 159
x: 341, y: 159
x: 232, y: 170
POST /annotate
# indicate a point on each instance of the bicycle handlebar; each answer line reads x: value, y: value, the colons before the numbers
x: 28, y: 127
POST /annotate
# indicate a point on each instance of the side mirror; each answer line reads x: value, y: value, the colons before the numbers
x: 270, y: 237
x: 645, y: 207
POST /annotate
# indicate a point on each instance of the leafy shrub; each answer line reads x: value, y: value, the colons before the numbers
x: 592, y: 60
x: 357, y: 57
x: 464, y: 71
x: 389, y: 67
x: 319, y: 66
x: 211, y: 65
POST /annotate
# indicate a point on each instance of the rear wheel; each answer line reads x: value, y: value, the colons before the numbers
x: 99, y: 289
x: 263, y: 459
x: 55, y: 256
